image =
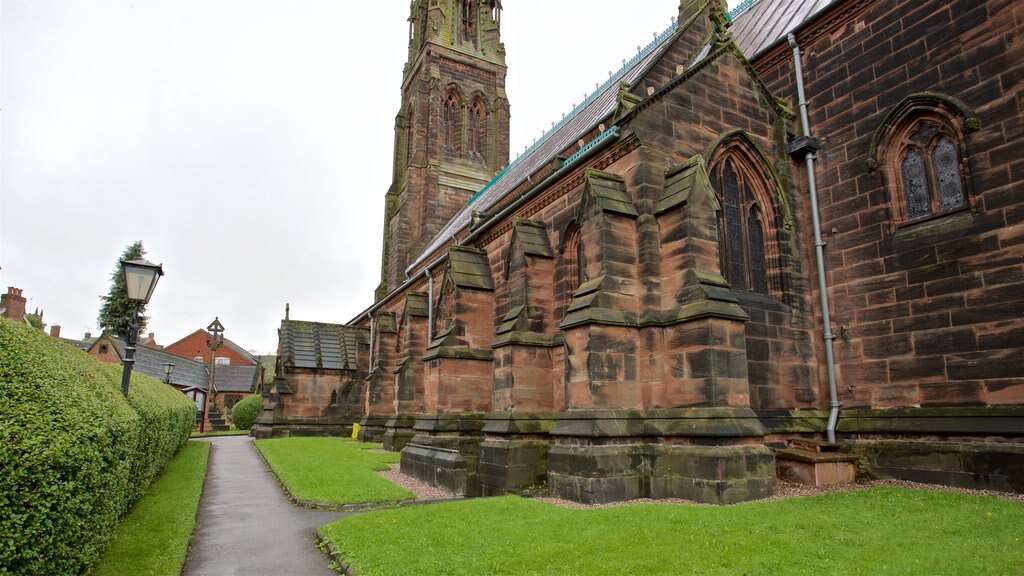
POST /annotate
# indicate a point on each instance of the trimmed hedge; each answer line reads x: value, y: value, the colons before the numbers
x: 75, y: 454
x: 243, y: 414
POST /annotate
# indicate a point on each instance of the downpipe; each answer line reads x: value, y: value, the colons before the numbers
x: 811, y: 145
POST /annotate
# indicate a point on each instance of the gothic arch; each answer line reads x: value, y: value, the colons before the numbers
x: 570, y: 265
x: 476, y: 137
x: 451, y: 117
x: 752, y: 210
x: 921, y: 150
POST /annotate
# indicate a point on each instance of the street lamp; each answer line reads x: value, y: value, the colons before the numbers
x: 168, y: 368
x: 140, y: 278
x: 214, y: 338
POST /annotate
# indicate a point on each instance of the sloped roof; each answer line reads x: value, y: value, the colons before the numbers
x: 321, y: 346
x: 767, y: 21
x: 756, y: 26
x: 152, y: 362
x: 235, y: 378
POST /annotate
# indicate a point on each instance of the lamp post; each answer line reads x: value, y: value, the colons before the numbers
x: 214, y: 338
x: 168, y: 369
x: 140, y: 278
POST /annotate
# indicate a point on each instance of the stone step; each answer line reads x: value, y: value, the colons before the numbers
x: 815, y: 462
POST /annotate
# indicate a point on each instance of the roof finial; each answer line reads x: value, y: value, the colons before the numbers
x: 720, y: 19
x: 287, y: 308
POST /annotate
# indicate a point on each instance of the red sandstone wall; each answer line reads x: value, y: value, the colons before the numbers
x: 929, y: 314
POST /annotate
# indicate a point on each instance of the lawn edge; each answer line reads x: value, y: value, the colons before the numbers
x: 330, y: 506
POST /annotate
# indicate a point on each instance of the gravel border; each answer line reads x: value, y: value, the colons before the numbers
x: 783, y: 491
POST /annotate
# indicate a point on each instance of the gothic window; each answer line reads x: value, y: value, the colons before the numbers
x: 410, y: 139
x: 450, y: 120
x: 743, y: 233
x: 477, y: 128
x: 468, y: 27
x: 928, y: 174
x: 571, y: 268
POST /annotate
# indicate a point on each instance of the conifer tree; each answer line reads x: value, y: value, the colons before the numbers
x: 116, y: 311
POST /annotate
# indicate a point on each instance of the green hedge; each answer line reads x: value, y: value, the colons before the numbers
x: 74, y: 454
x: 243, y: 414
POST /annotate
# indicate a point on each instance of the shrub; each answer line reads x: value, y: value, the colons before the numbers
x: 75, y: 454
x: 244, y: 413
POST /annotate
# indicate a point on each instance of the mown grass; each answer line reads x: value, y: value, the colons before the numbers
x: 334, y: 471
x: 869, y: 532
x: 153, y: 538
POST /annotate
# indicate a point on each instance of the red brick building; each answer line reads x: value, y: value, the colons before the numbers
x: 801, y: 220
x: 194, y: 348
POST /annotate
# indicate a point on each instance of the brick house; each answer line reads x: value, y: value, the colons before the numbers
x: 803, y: 219
x: 194, y: 348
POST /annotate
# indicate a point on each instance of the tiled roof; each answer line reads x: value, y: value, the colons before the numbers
x: 151, y: 363
x: 767, y: 21
x: 756, y: 27
x: 235, y: 378
x: 323, y: 346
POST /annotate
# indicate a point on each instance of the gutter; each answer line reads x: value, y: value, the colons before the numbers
x: 807, y: 146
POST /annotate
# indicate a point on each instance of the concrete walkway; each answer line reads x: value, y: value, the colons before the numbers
x: 246, y: 525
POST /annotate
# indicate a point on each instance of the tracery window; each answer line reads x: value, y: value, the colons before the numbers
x: 450, y: 120
x: 477, y: 128
x: 745, y: 237
x: 930, y: 180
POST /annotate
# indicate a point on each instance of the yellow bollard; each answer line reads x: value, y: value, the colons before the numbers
x: 355, y: 431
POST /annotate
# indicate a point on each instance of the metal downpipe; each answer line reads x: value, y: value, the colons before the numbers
x: 829, y: 336
x: 430, y: 305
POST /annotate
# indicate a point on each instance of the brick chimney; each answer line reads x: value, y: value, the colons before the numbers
x: 55, y: 330
x: 13, y: 304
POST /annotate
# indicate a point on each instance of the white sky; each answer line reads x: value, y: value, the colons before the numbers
x: 247, y: 143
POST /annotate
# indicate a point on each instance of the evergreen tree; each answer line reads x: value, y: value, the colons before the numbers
x: 116, y: 311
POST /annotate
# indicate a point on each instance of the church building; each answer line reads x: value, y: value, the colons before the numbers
x: 781, y: 242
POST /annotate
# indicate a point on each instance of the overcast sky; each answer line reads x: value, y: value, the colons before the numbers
x: 247, y: 143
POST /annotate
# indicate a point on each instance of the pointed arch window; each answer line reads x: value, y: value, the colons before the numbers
x: 468, y: 24
x: 921, y: 150
x: 930, y: 181
x: 477, y: 129
x: 571, y: 268
x: 744, y: 240
x: 450, y: 120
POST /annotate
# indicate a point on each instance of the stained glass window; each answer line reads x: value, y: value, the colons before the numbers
x: 929, y: 170
x: 742, y: 236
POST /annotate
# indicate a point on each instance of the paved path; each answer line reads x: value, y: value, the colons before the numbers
x: 246, y: 524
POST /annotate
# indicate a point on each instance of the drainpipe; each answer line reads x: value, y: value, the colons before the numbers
x: 430, y: 305
x: 369, y: 368
x: 807, y: 146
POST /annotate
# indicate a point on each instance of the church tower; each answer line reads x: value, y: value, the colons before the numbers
x: 452, y: 132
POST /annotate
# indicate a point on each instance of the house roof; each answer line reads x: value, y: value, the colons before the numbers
x: 235, y: 378
x: 320, y: 346
x: 227, y: 342
x: 756, y: 26
x: 151, y: 362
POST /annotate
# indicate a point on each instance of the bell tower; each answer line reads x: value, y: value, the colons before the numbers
x: 452, y: 131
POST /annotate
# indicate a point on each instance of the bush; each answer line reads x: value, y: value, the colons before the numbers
x: 75, y: 454
x: 244, y: 413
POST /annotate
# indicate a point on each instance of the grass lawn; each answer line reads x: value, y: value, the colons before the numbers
x: 153, y: 538
x: 334, y: 471
x: 870, y: 532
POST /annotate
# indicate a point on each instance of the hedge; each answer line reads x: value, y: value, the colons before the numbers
x: 75, y: 454
x: 243, y: 414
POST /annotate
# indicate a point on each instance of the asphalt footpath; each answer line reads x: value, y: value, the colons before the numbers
x: 246, y: 524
